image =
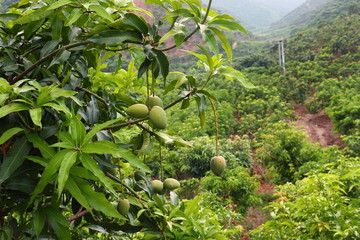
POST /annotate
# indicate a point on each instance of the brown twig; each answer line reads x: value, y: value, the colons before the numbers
x: 45, y: 58
x: 78, y: 214
x: 127, y: 187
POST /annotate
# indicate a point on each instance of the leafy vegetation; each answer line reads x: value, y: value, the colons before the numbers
x: 85, y: 151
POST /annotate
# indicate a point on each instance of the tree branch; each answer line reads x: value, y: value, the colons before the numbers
x: 45, y: 58
x: 193, y: 32
x: 79, y: 214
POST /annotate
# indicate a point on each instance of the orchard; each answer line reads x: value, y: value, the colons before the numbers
x: 81, y: 103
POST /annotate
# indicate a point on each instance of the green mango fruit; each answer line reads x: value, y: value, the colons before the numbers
x: 155, y: 101
x: 123, y: 206
x: 217, y: 165
x: 157, y: 117
x: 171, y: 184
x: 157, y: 185
x: 138, y: 111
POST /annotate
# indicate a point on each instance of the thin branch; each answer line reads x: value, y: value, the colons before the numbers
x: 77, y: 215
x: 45, y: 58
x: 216, y: 126
x: 126, y: 186
x: 194, y: 31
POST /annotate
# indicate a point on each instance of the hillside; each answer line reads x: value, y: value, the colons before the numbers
x: 312, y: 13
x: 258, y: 14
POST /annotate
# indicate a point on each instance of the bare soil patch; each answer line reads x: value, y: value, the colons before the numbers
x: 318, y: 127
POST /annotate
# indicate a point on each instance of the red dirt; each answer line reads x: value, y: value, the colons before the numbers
x: 318, y: 127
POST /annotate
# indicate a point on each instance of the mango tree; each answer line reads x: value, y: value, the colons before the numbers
x: 70, y: 150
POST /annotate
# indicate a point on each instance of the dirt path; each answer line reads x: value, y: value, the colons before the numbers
x: 318, y: 127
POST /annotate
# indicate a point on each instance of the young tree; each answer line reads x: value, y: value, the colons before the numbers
x: 71, y: 137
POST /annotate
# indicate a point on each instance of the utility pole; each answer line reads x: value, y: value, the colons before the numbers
x: 282, y: 55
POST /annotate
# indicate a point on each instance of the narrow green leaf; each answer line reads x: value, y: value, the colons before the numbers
x: 59, y: 108
x: 138, y: 22
x: 49, y: 47
x: 35, y: 115
x: 181, y: 12
x: 209, y: 61
x: 63, y: 145
x: 132, y: 159
x: 82, y: 173
x: 66, y: 137
x: 163, y: 63
x: 231, y: 73
x: 41, y: 161
x: 73, y: 17
x: 209, y: 39
x: 58, y: 223
x: 14, y: 158
x: 97, y: 200
x: 201, y: 103
x: 66, y: 164
x: 38, y: 221
x: 98, y: 128
x: 229, y: 25
x: 9, y: 133
x: 224, y: 42
x: 77, y: 130
x: 75, y: 191
x: 3, y: 98
x: 57, y: 25
x: 49, y: 172
x: 12, y: 107
x: 100, y: 10
x: 168, y: 35
x: 38, y: 14
x: 100, y: 147
x: 42, y: 145
x: 59, y: 4
x: 90, y: 164
x: 116, y: 37
x: 60, y: 57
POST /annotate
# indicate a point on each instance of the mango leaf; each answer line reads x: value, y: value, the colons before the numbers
x: 97, y: 200
x: 181, y: 12
x: 168, y: 35
x: 38, y: 14
x: 132, y: 159
x: 75, y: 14
x: 41, y: 161
x: 224, y: 42
x: 201, y: 102
x: 42, y: 145
x: 14, y: 158
x: 57, y: 25
x: 100, y: 11
x: 116, y: 37
x: 60, y: 57
x: 38, y: 221
x: 59, y: 4
x: 137, y: 22
x: 9, y: 133
x: 77, y: 130
x: 90, y: 164
x: 48, y: 47
x: 66, y: 138
x: 231, y: 73
x: 100, y: 147
x: 3, y: 98
x: 69, y: 160
x: 49, y: 172
x: 12, y: 107
x: 144, y: 67
x: 75, y: 191
x: 58, y: 223
x: 163, y: 63
x: 228, y: 25
x: 209, y: 38
x: 82, y: 172
x: 35, y: 115
x: 98, y: 128
x: 59, y: 107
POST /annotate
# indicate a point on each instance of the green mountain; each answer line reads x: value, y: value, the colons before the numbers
x: 256, y: 14
x: 312, y: 13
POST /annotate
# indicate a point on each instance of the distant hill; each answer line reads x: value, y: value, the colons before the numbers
x: 312, y: 13
x: 256, y: 14
x: 300, y: 15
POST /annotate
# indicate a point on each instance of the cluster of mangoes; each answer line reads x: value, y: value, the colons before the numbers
x: 154, y: 110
